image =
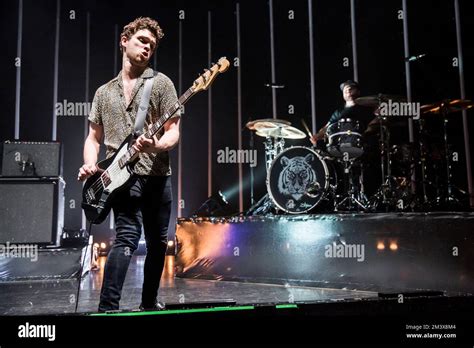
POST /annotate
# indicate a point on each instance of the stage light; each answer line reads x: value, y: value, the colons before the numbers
x: 380, y: 246
x: 103, y: 245
x: 393, y: 246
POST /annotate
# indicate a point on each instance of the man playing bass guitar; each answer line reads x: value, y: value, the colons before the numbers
x: 146, y: 201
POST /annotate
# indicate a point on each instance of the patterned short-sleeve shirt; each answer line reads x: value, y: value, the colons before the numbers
x: 110, y: 110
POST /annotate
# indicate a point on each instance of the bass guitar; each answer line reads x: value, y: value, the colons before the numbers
x: 115, y: 172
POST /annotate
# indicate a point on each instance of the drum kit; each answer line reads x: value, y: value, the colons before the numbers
x: 303, y: 179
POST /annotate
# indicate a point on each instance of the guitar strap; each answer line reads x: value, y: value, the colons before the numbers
x: 143, y: 107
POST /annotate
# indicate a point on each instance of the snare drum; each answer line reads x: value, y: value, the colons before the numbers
x: 345, y: 137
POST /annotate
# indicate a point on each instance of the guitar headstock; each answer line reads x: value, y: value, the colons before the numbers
x: 207, y: 78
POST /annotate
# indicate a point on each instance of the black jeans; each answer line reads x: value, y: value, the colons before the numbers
x: 147, y: 202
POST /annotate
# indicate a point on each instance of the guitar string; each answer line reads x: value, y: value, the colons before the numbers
x: 98, y: 185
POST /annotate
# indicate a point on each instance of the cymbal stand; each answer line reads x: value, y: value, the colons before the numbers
x: 449, y: 199
x: 273, y: 146
x: 385, y: 162
x: 363, y: 197
x: 385, y: 194
x: 423, y: 161
x: 252, y: 176
x: 264, y: 206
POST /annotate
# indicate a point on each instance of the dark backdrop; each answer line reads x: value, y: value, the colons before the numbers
x: 380, y: 65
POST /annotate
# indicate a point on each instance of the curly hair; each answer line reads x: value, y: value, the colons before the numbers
x: 142, y: 23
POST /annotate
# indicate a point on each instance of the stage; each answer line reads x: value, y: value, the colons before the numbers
x: 265, y: 259
x: 234, y: 272
x: 384, y: 252
x: 231, y: 311
x: 52, y: 297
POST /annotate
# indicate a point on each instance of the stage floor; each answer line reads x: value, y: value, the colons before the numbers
x: 58, y: 297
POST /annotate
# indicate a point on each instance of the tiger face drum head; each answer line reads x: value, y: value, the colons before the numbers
x: 297, y: 180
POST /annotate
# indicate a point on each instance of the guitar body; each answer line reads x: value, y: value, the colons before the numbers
x: 100, y: 189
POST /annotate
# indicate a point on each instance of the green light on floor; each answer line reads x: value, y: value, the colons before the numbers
x: 176, y: 311
x: 285, y: 306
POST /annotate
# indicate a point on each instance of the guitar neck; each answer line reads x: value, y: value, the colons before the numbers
x: 131, y: 154
x: 162, y: 120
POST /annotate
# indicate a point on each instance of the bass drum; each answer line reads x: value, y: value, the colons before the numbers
x: 299, y: 179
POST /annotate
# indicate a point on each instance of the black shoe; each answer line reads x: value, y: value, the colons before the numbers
x: 157, y: 306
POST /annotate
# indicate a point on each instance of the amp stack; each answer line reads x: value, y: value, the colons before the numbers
x: 31, y: 193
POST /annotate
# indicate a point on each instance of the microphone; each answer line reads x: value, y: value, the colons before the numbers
x: 272, y: 85
x: 414, y: 58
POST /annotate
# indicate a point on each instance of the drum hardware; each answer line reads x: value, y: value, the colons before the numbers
x: 252, y: 176
x: 320, y: 190
x: 374, y: 101
x: 266, y: 123
x: 355, y: 198
x: 273, y: 146
x: 344, y: 139
x: 269, y: 148
x: 264, y: 206
x: 344, y: 143
x: 281, y: 131
x: 423, y: 163
x: 445, y: 198
x: 275, y: 132
x: 385, y: 195
x: 446, y: 107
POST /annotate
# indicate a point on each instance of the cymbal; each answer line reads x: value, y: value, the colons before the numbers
x: 392, y: 122
x: 375, y: 100
x: 447, y: 106
x: 266, y: 123
x: 287, y: 132
x: 389, y: 120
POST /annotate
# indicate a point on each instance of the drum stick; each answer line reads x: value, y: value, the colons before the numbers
x: 306, y: 127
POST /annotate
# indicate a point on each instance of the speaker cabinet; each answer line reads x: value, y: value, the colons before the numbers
x: 31, y: 210
x: 31, y: 159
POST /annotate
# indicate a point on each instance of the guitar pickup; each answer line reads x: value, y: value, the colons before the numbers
x: 90, y: 195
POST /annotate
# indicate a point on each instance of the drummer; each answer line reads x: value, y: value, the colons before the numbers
x: 350, y: 92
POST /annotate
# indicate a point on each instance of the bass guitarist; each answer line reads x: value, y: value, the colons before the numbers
x: 147, y: 200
